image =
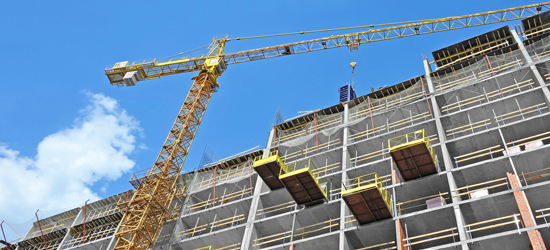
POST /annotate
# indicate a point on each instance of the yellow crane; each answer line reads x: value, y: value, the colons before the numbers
x: 149, y: 209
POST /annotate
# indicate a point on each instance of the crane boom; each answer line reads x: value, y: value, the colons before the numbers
x: 151, y: 69
x: 150, y: 206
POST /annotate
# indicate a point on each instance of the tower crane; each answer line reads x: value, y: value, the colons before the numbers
x: 149, y: 208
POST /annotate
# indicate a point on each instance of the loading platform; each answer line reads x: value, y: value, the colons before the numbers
x: 413, y: 155
x: 305, y: 187
x: 268, y: 168
x: 367, y: 198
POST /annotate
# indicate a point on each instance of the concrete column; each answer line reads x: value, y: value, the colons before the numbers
x: 269, y: 143
x: 343, y: 208
x: 249, y: 229
x: 65, y: 238
x: 112, y: 241
x: 446, y: 157
x: 526, y: 215
x: 533, y: 68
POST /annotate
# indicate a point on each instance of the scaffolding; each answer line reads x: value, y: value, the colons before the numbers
x: 305, y: 187
x: 208, y: 178
x: 413, y: 155
x: 481, y: 69
x: 394, y: 98
x: 367, y: 198
x: 269, y: 168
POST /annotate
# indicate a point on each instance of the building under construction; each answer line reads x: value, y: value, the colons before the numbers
x: 454, y: 157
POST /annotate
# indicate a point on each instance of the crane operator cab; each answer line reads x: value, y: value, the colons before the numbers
x: 216, y: 66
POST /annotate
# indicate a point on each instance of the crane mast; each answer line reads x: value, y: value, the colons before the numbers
x: 150, y: 207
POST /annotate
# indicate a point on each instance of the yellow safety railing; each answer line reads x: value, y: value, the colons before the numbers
x: 299, y: 233
x: 366, y: 181
x: 406, y: 140
x: 205, y: 248
x: 411, y: 139
x: 420, y: 202
x: 513, y: 219
x: 273, y: 155
x: 134, y: 63
x: 231, y: 247
x: 307, y: 165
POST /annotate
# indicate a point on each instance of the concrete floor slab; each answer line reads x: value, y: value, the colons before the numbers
x: 371, y: 234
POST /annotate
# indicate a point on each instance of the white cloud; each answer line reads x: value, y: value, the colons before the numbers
x: 69, y: 162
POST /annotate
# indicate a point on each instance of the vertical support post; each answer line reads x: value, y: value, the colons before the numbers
x: 274, y: 138
x: 5, y: 240
x: 214, y: 196
x: 84, y: 226
x: 316, y: 135
x: 40, y: 226
x: 371, y: 118
x: 250, y: 173
x: 292, y: 232
x: 426, y: 96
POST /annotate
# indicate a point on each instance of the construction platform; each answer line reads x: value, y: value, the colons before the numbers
x: 367, y: 198
x: 305, y: 187
x: 269, y: 168
x: 413, y: 155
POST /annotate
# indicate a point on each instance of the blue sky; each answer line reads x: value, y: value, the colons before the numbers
x: 54, y: 91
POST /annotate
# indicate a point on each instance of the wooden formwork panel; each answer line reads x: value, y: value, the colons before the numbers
x: 269, y: 172
x: 303, y: 188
